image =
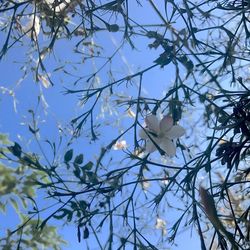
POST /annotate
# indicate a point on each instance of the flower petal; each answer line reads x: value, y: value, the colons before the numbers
x: 143, y: 134
x: 168, y: 146
x: 175, y: 132
x: 152, y: 123
x: 166, y: 123
x: 151, y: 144
x: 119, y: 145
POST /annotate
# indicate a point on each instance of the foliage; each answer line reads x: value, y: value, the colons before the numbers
x: 18, y: 189
x: 108, y: 187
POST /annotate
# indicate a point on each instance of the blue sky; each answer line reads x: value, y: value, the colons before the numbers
x: 62, y: 108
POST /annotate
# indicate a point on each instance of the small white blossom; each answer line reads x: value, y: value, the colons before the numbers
x: 161, y: 224
x: 161, y: 134
x: 145, y: 185
x: 119, y: 145
x: 165, y: 181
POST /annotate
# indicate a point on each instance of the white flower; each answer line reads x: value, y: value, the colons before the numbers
x: 119, y: 145
x: 161, y: 224
x: 145, y: 184
x: 161, y: 134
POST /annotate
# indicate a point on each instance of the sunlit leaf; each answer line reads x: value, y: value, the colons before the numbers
x: 14, y: 204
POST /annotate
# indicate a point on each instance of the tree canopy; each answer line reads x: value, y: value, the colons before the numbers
x: 128, y: 120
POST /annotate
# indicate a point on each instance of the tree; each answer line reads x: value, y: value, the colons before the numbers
x: 18, y: 188
x: 137, y: 161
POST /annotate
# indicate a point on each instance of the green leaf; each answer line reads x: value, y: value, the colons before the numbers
x: 86, y: 233
x: 4, y: 139
x: 14, y: 204
x: 33, y: 131
x: 28, y: 160
x: 88, y: 166
x: 79, y: 159
x: 69, y: 216
x: 92, y: 177
x: 68, y: 155
x: 16, y: 150
x: 113, y: 27
x: 164, y: 59
x: 2, y: 207
x: 73, y: 205
x: 24, y: 202
x: 83, y: 204
x: 77, y: 171
x: 63, y: 212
